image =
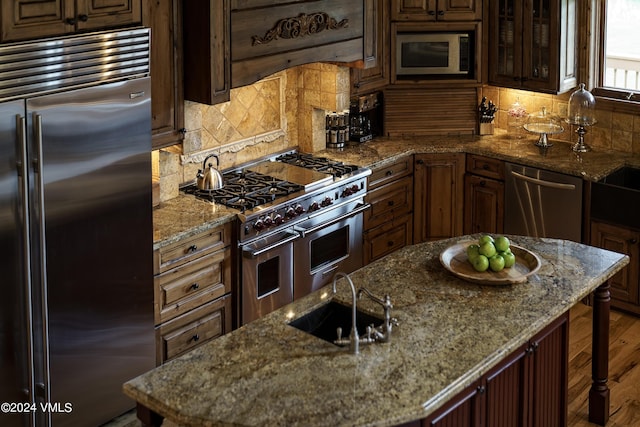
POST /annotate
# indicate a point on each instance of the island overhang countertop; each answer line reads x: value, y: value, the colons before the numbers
x: 450, y: 333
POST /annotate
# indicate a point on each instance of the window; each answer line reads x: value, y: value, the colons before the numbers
x: 615, y: 63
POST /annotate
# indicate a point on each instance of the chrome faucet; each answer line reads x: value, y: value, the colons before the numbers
x: 354, y: 340
x: 383, y: 333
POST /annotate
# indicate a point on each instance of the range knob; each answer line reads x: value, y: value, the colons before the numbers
x: 290, y: 212
x: 277, y: 219
x: 314, y: 206
x: 299, y: 209
x: 355, y: 188
x: 268, y: 221
x: 258, y: 225
x: 326, y: 202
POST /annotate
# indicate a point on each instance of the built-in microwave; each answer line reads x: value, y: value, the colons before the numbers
x: 434, y: 53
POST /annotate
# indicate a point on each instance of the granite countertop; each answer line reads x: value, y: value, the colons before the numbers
x: 450, y: 333
x: 185, y: 216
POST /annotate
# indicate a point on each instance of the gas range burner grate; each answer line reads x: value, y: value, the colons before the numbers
x: 320, y: 164
x: 245, y: 190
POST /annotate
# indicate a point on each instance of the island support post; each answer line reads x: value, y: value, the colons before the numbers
x: 599, y: 393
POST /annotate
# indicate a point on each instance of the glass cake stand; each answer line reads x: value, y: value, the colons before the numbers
x: 544, y: 129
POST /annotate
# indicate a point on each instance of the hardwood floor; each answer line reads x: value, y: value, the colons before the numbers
x: 624, y: 368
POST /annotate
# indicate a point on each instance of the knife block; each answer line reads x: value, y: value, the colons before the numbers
x: 486, y: 129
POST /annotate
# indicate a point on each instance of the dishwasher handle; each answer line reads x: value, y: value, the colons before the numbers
x: 543, y: 183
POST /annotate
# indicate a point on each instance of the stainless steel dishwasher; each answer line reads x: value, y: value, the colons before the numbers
x: 542, y: 203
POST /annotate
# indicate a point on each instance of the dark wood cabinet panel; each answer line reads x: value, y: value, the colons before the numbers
x: 438, y: 196
x: 374, y: 75
x: 394, y: 234
x: 436, y: 10
x: 464, y: 410
x: 625, y: 285
x: 532, y: 45
x: 29, y: 19
x: 483, y: 195
x: 164, y: 17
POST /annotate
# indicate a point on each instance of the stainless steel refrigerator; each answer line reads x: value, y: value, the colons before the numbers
x: 76, y: 279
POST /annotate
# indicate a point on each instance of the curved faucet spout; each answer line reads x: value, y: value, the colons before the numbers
x: 353, y: 336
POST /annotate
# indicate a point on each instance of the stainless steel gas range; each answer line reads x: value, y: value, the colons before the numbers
x: 300, y: 221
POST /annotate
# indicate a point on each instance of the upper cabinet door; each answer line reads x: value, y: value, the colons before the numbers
x: 32, y: 19
x: 532, y: 45
x: 29, y: 19
x: 96, y: 14
x: 436, y: 10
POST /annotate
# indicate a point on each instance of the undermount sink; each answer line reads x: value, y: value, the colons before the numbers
x: 326, y: 319
x: 616, y: 197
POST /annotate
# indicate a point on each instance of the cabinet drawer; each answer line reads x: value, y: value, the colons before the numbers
x: 384, y: 175
x: 191, y: 248
x: 389, y: 201
x: 387, y: 238
x: 485, y: 166
x: 192, y: 284
x: 193, y: 329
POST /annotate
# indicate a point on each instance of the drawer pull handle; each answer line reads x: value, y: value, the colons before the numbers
x: 485, y: 167
x: 195, y: 338
x: 191, y: 248
x: 483, y: 183
x: 633, y: 241
x: 390, y: 203
x: 194, y: 286
x: 390, y: 243
x: 389, y: 173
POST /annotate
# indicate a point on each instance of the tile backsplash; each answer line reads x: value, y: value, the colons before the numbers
x: 287, y: 110
x: 613, y: 131
x: 280, y: 112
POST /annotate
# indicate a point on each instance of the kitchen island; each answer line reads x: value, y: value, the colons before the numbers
x: 450, y: 334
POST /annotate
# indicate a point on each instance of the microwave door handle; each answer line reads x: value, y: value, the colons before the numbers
x: 355, y: 211
x: 254, y: 254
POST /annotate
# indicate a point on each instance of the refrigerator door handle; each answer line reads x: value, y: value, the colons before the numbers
x: 42, y: 390
x: 23, y: 172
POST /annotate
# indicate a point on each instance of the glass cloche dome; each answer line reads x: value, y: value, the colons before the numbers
x: 581, y: 112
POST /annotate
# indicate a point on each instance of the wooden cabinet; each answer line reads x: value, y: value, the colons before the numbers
x: 436, y: 10
x: 483, y: 195
x: 375, y: 73
x: 388, y: 223
x: 532, y: 45
x: 528, y: 388
x: 438, y: 196
x: 625, y: 285
x: 164, y: 17
x: 29, y: 19
x: 193, y: 292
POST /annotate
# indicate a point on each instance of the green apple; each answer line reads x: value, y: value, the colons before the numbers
x: 502, y: 244
x: 484, y: 239
x: 472, y: 251
x: 509, y: 258
x: 496, y: 263
x: 480, y: 263
x: 487, y: 249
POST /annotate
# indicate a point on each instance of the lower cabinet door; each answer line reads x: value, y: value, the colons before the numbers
x: 387, y: 238
x: 193, y: 329
x: 464, y: 410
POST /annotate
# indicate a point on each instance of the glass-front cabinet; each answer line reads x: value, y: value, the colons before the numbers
x: 532, y: 44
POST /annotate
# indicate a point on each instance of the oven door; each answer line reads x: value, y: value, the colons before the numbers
x: 267, y: 274
x: 331, y: 241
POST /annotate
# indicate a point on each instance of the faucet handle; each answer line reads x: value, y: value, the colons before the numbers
x: 339, y: 333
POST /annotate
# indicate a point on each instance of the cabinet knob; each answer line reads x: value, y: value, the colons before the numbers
x: 390, y: 203
x: 194, y: 286
x: 191, y: 248
x: 420, y: 162
x: 633, y: 241
x: 481, y: 389
x: 389, y: 173
x: 431, y: 12
x: 441, y: 13
x: 195, y: 338
x: 83, y: 18
x: 483, y: 183
x: 390, y: 243
x: 70, y: 21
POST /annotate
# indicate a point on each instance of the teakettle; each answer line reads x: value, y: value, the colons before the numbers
x: 209, y: 178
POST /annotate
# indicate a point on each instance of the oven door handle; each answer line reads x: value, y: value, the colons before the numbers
x: 358, y: 209
x: 254, y: 254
